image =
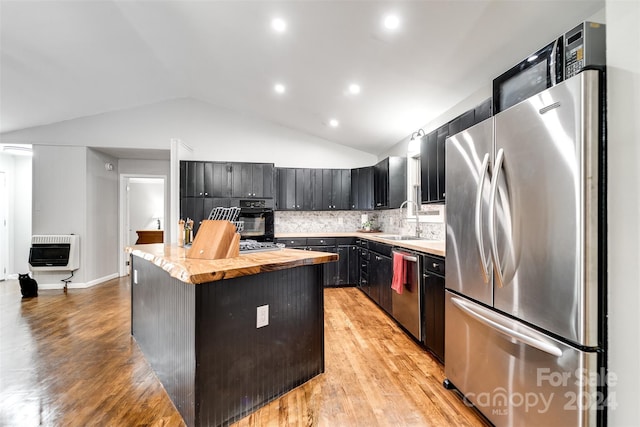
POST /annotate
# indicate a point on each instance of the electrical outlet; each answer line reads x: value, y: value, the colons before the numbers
x: 135, y: 277
x: 262, y: 316
x: 340, y: 221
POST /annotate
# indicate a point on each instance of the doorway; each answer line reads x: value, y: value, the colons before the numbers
x: 142, y: 207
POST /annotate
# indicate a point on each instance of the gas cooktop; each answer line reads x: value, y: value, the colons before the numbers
x: 247, y: 246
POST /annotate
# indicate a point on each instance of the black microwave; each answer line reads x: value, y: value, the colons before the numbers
x: 581, y: 47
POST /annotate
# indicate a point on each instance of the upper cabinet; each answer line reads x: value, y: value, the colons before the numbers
x: 293, y: 189
x: 362, y: 188
x: 433, y: 149
x: 390, y: 182
x: 252, y: 180
x: 313, y: 189
x: 205, y: 185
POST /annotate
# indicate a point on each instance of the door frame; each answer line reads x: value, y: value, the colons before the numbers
x: 123, y: 267
x: 4, y: 231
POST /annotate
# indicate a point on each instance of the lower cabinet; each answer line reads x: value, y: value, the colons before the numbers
x: 433, y: 304
x: 381, y: 275
x: 344, y: 272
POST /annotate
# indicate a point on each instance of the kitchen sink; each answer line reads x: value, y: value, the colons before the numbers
x: 402, y: 237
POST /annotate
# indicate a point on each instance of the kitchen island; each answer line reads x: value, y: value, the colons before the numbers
x: 227, y: 336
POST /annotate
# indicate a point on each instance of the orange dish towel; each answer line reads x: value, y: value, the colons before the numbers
x: 399, y: 273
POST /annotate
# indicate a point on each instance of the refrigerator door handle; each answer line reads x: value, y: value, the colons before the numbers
x: 492, y: 217
x: 493, y: 321
x: 479, y: 241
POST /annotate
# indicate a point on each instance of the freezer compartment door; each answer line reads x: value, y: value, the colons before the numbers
x: 544, y: 210
x: 513, y: 374
x: 469, y: 158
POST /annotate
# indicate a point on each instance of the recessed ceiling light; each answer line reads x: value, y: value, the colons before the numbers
x: 334, y: 123
x: 354, y: 88
x: 279, y: 88
x: 391, y: 22
x: 279, y: 25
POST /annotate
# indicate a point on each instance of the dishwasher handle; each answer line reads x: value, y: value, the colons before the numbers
x: 406, y: 256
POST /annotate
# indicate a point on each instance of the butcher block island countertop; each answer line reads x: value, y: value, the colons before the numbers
x: 173, y: 260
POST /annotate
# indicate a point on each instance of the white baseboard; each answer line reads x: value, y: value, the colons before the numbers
x: 79, y: 285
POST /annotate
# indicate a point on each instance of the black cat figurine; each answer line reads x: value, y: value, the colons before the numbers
x: 28, y: 286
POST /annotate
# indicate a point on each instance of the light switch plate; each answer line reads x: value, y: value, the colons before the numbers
x: 262, y: 316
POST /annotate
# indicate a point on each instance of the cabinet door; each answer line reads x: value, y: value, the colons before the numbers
x: 397, y: 181
x: 327, y: 193
x: 316, y: 190
x: 365, y: 188
x: 343, y: 193
x: 304, y: 193
x: 443, y: 132
x: 432, y: 166
x: 220, y: 181
x: 330, y: 269
x: 286, y: 189
x: 344, y: 265
x: 433, y: 314
x: 190, y: 178
x: 184, y: 177
x: 199, y: 179
x: 354, y: 265
x: 381, y: 183
x: 263, y: 180
x: 354, y: 189
x: 385, y: 268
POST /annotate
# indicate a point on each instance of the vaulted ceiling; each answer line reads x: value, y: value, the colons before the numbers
x: 67, y: 59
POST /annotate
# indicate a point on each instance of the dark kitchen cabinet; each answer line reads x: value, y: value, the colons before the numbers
x: 390, y: 182
x: 340, y: 273
x: 433, y: 283
x: 362, y: 188
x: 443, y: 133
x: 294, y: 189
x: 313, y: 189
x: 432, y: 165
x: 252, y: 180
x: 353, y: 275
x: 381, y: 274
x: 205, y: 185
x: 332, y: 188
x: 363, y: 261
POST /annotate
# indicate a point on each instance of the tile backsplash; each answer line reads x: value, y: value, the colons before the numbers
x: 389, y: 221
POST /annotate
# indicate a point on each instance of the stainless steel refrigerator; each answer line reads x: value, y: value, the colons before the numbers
x: 524, y: 276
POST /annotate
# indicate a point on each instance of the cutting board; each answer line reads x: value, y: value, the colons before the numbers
x: 215, y: 240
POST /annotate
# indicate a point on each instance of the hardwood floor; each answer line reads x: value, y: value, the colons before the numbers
x: 69, y: 360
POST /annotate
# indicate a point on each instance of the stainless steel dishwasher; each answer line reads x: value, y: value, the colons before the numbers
x: 405, y: 307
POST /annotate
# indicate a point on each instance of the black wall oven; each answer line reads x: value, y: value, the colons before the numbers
x: 258, y: 220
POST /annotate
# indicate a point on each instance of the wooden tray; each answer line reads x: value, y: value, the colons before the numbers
x: 369, y: 231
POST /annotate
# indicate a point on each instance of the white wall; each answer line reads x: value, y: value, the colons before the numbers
x: 623, y: 66
x: 214, y: 133
x: 60, y: 200
x: 21, y: 223
x: 101, y: 240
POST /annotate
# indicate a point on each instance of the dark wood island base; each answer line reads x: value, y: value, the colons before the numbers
x: 206, y: 342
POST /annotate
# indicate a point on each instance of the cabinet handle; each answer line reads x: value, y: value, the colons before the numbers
x: 435, y: 265
x: 206, y: 194
x: 425, y: 275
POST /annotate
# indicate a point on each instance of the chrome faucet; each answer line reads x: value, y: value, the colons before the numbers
x: 418, y: 230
